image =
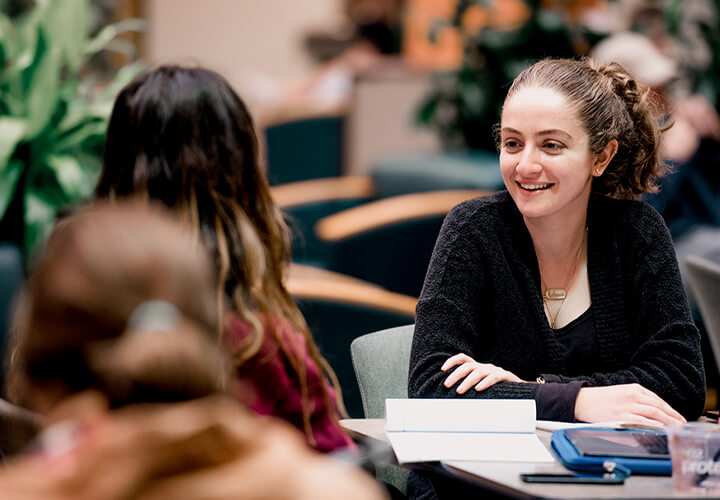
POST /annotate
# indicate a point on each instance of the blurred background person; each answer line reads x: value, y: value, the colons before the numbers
x: 369, y: 38
x: 689, y: 197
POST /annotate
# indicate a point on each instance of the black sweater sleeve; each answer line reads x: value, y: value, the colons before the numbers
x: 478, y: 299
x: 665, y: 344
x: 453, y: 296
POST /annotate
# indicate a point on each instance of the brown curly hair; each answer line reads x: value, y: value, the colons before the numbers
x: 612, y: 105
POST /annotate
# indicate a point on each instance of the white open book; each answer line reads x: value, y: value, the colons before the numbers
x: 498, y: 430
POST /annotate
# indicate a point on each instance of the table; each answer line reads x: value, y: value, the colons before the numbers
x: 504, y: 478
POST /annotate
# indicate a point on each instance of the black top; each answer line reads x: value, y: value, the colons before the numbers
x: 482, y: 297
x: 578, y: 340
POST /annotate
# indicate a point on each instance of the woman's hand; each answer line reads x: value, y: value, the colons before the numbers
x: 628, y: 403
x: 481, y: 375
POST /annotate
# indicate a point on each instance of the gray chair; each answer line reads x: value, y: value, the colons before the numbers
x: 381, y: 361
x: 704, y: 279
x: 338, y: 309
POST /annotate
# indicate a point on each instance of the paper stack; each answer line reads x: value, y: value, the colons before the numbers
x: 498, y: 430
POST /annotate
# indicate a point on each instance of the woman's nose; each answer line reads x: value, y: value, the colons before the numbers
x: 529, y: 163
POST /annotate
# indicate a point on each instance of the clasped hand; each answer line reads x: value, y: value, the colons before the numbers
x: 630, y: 403
x: 480, y: 375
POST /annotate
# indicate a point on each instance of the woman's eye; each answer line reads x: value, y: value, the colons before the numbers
x: 511, y: 144
x: 552, y: 146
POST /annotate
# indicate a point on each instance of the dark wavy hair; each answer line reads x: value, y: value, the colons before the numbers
x: 184, y: 137
x: 612, y: 105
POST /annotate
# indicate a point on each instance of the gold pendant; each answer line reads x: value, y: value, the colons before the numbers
x: 555, y: 294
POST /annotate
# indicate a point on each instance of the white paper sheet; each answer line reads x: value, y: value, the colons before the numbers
x: 477, y: 446
x: 460, y: 415
x: 423, y: 430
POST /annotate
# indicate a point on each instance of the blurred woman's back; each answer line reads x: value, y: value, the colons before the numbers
x: 115, y: 345
x: 183, y: 137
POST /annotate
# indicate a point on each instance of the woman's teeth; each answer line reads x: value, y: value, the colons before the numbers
x: 535, y: 187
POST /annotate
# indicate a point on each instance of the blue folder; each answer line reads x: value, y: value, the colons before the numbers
x: 572, y: 459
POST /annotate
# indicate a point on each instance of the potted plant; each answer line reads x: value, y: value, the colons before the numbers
x: 464, y: 104
x: 54, y: 110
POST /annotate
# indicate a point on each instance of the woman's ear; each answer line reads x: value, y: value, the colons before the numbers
x: 601, y: 161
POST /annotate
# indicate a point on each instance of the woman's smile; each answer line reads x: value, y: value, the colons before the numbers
x: 535, y: 187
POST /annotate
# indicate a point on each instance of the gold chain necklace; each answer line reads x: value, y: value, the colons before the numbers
x: 560, y: 293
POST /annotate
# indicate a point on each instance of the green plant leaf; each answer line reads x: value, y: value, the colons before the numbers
x: 14, y: 104
x: 76, y: 113
x: 39, y: 217
x: 27, y: 34
x: 123, y: 47
x: 67, y: 24
x: 122, y: 78
x: 108, y: 33
x: 75, y: 181
x: 53, y: 108
x: 42, y: 81
x: 8, y: 40
x: 74, y: 137
x: 12, y: 131
x: 8, y: 183
x: 426, y: 112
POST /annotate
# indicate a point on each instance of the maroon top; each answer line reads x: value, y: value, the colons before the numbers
x: 268, y: 385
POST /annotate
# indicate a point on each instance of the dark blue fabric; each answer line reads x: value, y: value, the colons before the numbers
x: 690, y: 194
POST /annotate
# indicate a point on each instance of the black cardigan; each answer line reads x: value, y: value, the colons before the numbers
x: 482, y: 297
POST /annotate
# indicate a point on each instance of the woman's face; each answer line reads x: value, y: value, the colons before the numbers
x: 545, y: 154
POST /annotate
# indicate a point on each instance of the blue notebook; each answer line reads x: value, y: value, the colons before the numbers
x: 587, y: 449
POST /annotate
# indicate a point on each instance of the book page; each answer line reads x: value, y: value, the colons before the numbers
x: 468, y: 446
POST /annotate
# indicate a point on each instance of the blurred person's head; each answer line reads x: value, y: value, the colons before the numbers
x: 195, y: 450
x: 183, y: 137
x: 377, y: 22
x: 120, y: 303
x: 637, y: 54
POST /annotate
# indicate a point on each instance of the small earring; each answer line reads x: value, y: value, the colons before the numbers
x: 598, y: 171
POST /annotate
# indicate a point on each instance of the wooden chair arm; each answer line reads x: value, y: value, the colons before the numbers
x: 305, y: 282
x: 357, y: 220
x: 317, y: 190
x: 301, y: 273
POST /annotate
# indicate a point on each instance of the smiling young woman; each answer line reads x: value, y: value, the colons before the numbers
x: 545, y: 155
x: 564, y: 288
